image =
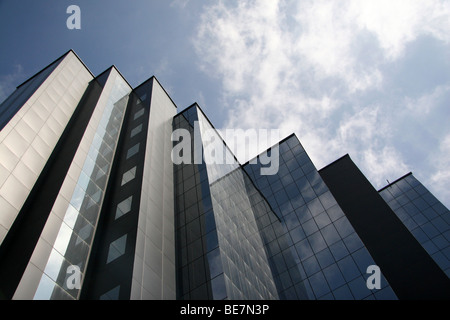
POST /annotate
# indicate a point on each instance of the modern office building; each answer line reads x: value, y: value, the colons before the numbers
x: 406, y: 264
x: 86, y: 182
x: 423, y: 215
x: 95, y: 206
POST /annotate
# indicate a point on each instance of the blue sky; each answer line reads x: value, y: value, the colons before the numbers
x: 364, y: 77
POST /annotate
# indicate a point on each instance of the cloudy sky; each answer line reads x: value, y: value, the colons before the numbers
x: 370, y: 78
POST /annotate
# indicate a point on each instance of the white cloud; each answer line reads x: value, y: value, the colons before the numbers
x: 306, y: 66
x: 440, y: 180
x: 425, y: 104
x: 179, y: 3
x: 396, y: 23
x: 381, y: 164
x: 244, y: 45
x: 361, y: 126
x: 366, y: 137
x: 329, y: 29
x: 163, y: 67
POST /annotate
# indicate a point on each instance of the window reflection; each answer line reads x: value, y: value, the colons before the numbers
x: 139, y: 114
x: 319, y: 284
x: 136, y: 130
x: 45, y: 289
x: 219, y: 290
x: 54, y: 264
x: 133, y: 150
x: 124, y: 207
x: 117, y: 248
x: 129, y: 175
x: 318, y: 228
x: 334, y: 276
x: 74, y: 238
x: 215, y: 264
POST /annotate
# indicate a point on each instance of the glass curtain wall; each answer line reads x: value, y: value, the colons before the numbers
x: 74, y: 239
x: 331, y: 261
x: 424, y: 216
x: 222, y: 252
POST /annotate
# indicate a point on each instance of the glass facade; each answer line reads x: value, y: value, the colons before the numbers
x: 424, y: 216
x: 221, y: 252
x: 330, y: 261
x: 138, y: 207
x: 110, y: 268
x: 137, y: 223
x: 74, y: 238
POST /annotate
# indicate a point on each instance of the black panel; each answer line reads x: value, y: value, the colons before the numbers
x: 19, y: 244
x: 408, y: 268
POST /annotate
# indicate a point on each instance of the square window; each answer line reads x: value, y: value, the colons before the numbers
x: 412, y: 194
x: 317, y: 242
x: 441, y: 260
x: 287, y: 179
x: 344, y: 227
x: 128, y: 176
x: 124, y: 207
x: 353, y: 242
x: 193, y: 230
x: 334, y: 276
x: 139, y: 114
x: 327, y: 200
x: 430, y: 230
x: 349, y: 268
x: 320, y: 187
x: 133, y: 150
x: 292, y: 191
x: 310, y: 227
x: 303, y: 214
x: 440, y: 242
x: 343, y: 293
x: 420, y: 235
x: 440, y: 224
x: 319, y: 284
x: 330, y: 234
x: 218, y: 288
x: 322, y: 220
x: 411, y: 209
x: 297, y: 234
x: 325, y: 258
x: 214, y: 262
x: 311, y: 266
x: 303, y: 249
x: 136, y: 130
x: 316, y: 207
x: 362, y: 259
x: 117, y: 248
x: 430, y: 247
x: 359, y: 288
x: 440, y: 208
x: 291, y: 221
x: 420, y: 219
x: 430, y: 213
x: 429, y: 199
x: 339, y: 250
x: 292, y: 165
